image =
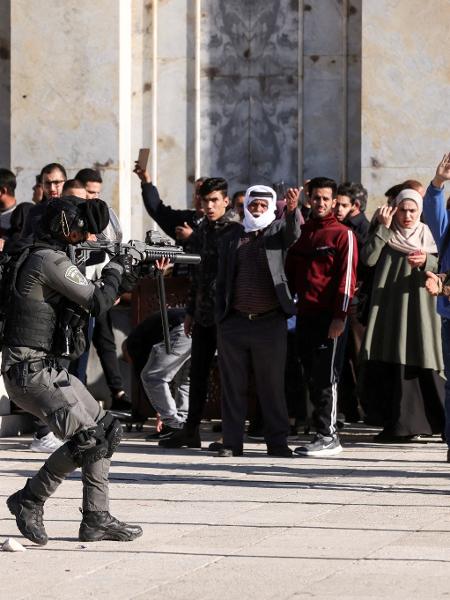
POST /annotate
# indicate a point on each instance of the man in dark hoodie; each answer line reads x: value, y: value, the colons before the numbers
x: 200, y: 307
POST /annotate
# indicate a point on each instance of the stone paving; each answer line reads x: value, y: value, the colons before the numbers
x: 373, y: 522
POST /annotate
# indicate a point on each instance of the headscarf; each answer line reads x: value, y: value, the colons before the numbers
x: 260, y: 192
x: 418, y: 237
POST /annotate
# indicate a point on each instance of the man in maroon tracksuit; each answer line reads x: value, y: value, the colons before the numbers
x: 321, y: 268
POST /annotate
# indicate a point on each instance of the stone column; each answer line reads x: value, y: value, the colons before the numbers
x: 331, y: 77
x: 5, y: 88
x: 163, y: 100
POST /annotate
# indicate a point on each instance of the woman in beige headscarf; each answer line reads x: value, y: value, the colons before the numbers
x: 401, y: 386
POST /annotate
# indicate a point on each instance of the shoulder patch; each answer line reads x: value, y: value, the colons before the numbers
x: 74, y: 275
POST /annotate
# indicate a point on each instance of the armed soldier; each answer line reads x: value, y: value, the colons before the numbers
x: 45, y: 293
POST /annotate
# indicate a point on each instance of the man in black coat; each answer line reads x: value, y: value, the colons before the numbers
x: 200, y: 306
x: 252, y: 302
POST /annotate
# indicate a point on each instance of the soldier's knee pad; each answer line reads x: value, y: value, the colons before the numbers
x: 88, y: 446
x: 113, y: 432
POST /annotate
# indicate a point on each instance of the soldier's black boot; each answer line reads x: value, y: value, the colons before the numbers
x: 188, y: 436
x: 29, y: 513
x: 100, y: 525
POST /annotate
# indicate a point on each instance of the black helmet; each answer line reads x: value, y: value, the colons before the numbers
x: 70, y: 213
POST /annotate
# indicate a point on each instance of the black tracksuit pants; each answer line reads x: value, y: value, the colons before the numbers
x: 321, y: 358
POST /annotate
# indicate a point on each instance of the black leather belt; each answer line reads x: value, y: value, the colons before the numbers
x: 38, y: 365
x: 33, y: 366
x: 20, y: 371
x: 257, y: 316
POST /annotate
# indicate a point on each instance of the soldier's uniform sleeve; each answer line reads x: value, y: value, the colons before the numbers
x: 61, y: 275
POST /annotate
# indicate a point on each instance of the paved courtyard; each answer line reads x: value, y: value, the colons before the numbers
x: 373, y: 522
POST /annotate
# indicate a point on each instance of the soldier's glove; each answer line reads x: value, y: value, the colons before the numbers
x: 129, y: 280
x: 124, y: 261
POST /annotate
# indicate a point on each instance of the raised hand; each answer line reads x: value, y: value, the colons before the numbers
x: 143, y: 174
x: 292, y: 196
x: 442, y: 171
x: 385, y: 215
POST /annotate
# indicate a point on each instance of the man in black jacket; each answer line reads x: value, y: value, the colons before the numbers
x: 200, y: 306
x: 253, y: 300
x: 166, y: 217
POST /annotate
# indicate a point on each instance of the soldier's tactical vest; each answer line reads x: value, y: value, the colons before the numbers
x: 30, y: 323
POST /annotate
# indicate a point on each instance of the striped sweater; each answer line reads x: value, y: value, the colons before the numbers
x: 321, y: 267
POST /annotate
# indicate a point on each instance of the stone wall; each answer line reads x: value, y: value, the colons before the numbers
x: 64, y: 89
x: 247, y: 90
x: 405, y: 91
x: 254, y: 91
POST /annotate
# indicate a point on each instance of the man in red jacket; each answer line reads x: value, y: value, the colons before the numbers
x: 321, y: 268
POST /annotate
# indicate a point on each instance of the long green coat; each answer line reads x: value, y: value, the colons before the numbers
x: 403, y: 326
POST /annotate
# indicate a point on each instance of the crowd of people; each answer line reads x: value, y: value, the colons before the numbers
x: 364, y: 334
x: 316, y: 314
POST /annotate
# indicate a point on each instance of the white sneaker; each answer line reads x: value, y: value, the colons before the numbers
x: 49, y: 443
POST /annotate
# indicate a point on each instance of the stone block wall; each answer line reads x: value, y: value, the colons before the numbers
x: 405, y: 91
x: 255, y: 91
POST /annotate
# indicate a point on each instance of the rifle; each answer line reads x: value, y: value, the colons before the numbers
x: 154, y: 248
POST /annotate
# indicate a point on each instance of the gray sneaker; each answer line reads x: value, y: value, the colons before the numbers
x: 321, y: 446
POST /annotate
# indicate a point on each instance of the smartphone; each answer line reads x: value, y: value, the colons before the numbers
x: 142, y: 160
